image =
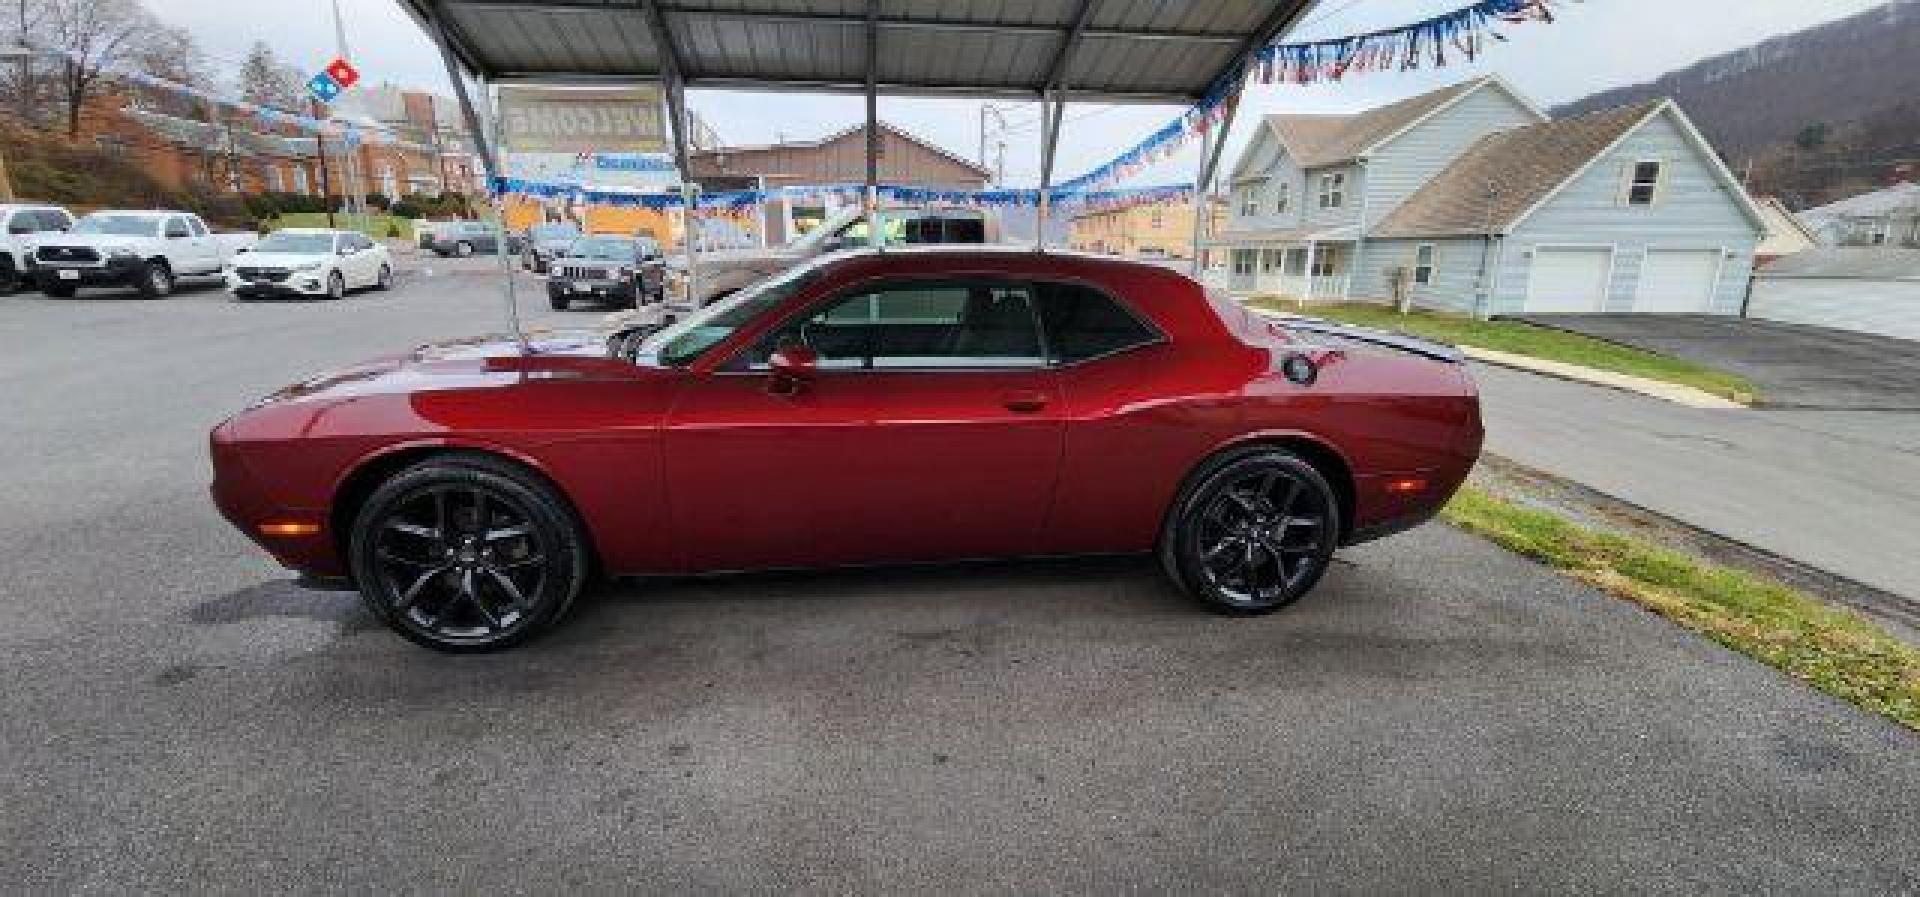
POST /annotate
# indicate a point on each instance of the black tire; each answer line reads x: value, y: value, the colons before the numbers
x: 1252, y: 532
x: 559, y: 301
x: 56, y: 289
x: 463, y: 249
x: 465, y: 553
x: 385, y: 281
x: 336, y: 286
x: 156, y: 280
x: 10, y: 279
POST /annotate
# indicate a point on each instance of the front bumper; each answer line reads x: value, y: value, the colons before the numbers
x: 299, y: 283
x: 245, y: 502
x: 114, y: 272
x: 622, y: 290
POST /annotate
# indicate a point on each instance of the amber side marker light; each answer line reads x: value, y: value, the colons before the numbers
x: 289, y: 528
x: 1404, y: 485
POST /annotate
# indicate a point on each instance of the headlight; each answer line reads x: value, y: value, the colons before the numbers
x: 307, y: 266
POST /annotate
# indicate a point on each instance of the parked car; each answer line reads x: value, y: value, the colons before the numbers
x: 149, y: 251
x: 26, y: 226
x: 865, y: 407
x: 544, y: 241
x: 308, y: 262
x: 601, y: 268
x: 721, y: 273
x: 464, y: 238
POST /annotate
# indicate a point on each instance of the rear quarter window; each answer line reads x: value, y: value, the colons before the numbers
x: 1084, y: 323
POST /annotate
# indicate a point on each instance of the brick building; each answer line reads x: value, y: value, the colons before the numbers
x: 1150, y: 231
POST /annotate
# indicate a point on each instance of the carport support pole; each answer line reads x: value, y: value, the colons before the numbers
x: 486, y: 141
x: 1212, y: 142
x: 1053, y: 108
x: 875, y: 232
x: 677, y: 110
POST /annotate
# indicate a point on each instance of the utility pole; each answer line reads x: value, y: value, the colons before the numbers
x: 350, y: 153
x: 320, y: 149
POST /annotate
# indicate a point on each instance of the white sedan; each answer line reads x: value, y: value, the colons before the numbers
x: 301, y: 261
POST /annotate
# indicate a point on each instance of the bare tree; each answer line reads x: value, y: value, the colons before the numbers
x: 97, y: 37
x: 264, y: 80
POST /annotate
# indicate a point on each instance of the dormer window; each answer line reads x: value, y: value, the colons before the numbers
x: 1643, y: 189
x: 1333, y: 190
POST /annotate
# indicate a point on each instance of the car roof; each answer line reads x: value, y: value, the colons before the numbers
x: 139, y: 213
x: 312, y: 230
x: 30, y: 206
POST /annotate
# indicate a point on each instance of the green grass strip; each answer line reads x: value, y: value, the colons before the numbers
x: 1833, y: 649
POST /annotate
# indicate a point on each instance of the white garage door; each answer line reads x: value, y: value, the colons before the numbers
x: 1572, y: 280
x: 1678, y: 280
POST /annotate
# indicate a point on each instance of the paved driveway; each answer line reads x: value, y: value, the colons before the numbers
x: 1440, y: 716
x: 1795, y: 365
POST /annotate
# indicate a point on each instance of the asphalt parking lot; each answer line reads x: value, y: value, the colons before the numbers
x: 1439, y: 716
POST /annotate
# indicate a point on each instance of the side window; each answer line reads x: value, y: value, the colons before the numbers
x: 933, y: 325
x: 54, y: 219
x: 198, y: 227
x: 177, y: 228
x: 22, y: 223
x: 1083, y: 323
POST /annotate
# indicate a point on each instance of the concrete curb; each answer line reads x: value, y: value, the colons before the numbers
x: 1671, y: 392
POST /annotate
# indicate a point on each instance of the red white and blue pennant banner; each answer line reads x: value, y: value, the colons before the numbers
x: 848, y: 194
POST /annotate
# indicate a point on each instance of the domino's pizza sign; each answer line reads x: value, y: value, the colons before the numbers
x: 333, y: 80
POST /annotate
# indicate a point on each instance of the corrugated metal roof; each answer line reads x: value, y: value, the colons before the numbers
x: 1147, y: 50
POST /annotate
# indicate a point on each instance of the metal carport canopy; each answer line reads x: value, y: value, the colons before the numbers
x: 1156, y: 51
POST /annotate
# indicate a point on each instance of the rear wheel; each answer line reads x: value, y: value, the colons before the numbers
x: 156, y: 280
x: 467, y: 554
x: 1254, y: 534
x: 385, y: 280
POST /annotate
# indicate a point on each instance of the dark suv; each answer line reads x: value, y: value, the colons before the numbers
x: 604, y: 268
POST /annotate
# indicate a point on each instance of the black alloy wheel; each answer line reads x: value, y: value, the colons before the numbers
x: 10, y: 279
x: 467, y: 554
x: 1254, y: 534
x: 336, y: 286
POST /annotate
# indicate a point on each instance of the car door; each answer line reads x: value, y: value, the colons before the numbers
x: 182, y: 254
x: 930, y: 430
x: 206, y: 248
x: 361, y: 262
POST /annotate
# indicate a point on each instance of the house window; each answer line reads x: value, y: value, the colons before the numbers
x: 1157, y: 219
x: 1877, y: 233
x: 1269, y: 260
x: 300, y: 180
x: 1423, y: 264
x: 276, y: 182
x: 1243, y: 261
x: 1282, y: 199
x: 1249, y: 203
x: 1296, y: 261
x: 1324, y: 263
x: 1333, y: 190
x: 1644, y: 187
x: 389, y: 184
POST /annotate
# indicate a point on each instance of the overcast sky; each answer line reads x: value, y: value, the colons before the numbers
x: 1596, y: 45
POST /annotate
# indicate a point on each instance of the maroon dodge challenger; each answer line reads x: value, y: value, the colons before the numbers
x: 862, y: 408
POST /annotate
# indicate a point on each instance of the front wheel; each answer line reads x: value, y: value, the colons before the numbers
x: 156, y: 281
x: 467, y: 554
x: 336, y: 286
x: 1254, y: 534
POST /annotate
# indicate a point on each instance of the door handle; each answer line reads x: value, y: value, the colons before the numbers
x: 1024, y: 401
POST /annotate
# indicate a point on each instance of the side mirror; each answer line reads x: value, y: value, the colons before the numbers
x: 792, y: 366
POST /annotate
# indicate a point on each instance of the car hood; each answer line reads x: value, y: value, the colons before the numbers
x: 478, y: 362
x: 279, y: 259
x: 102, y: 241
x: 740, y: 258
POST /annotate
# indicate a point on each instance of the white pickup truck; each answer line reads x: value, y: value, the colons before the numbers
x: 149, y: 251
x: 26, y: 226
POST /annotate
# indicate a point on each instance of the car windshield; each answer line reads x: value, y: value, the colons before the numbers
x: 124, y: 225
x: 683, y: 343
x: 611, y: 248
x: 304, y: 244
x: 559, y: 231
x: 824, y: 231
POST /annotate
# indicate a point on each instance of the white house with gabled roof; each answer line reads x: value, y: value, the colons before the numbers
x: 1471, y: 198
